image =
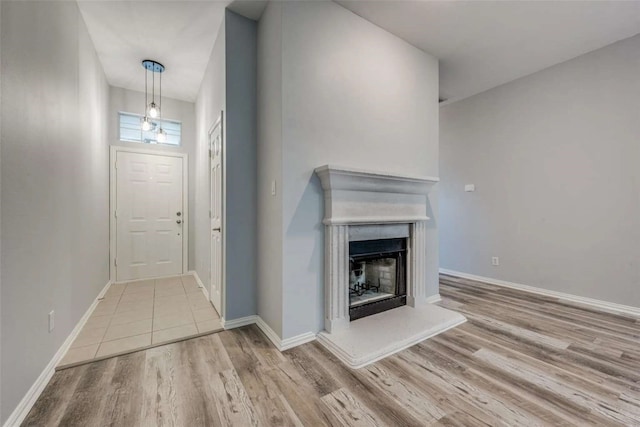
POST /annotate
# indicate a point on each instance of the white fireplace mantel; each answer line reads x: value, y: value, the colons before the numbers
x: 376, y: 205
x: 357, y: 196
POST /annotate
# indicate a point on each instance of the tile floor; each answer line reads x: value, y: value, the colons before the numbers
x: 137, y: 315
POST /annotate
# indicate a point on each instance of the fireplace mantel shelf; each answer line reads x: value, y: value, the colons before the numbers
x: 357, y: 196
x: 352, y: 179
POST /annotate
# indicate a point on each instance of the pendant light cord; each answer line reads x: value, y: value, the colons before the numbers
x: 153, y: 84
x: 146, y: 90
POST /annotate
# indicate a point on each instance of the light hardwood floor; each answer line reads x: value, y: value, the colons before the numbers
x: 521, y: 359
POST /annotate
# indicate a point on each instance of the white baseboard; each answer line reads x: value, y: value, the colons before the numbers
x: 287, y: 343
x: 22, y: 410
x: 204, y: 289
x: 602, y: 305
x: 279, y: 343
x: 238, y: 323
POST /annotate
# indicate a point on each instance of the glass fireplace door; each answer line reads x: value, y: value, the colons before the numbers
x: 377, y: 271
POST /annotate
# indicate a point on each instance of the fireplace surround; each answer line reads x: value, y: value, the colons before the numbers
x: 362, y: 209
x: 377, y: 205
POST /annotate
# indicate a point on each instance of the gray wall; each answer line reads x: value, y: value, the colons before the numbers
x: 55, y: 185
x: 211, y: 100
x: 354, y: 95
x: 554, y: 157
x: 240, y: 166
x: 128, y: 101
x: 269, y: 292
x: 231, y: 73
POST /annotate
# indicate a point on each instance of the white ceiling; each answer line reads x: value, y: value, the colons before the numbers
x: 483, y: 44
x: 480, y: 44
x: 178, y: 34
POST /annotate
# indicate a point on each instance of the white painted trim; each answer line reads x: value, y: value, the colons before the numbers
x: 359, y: 362
x: 602, y: 305
x: 279, y: 343
x: 433, y: 299
x: 287, y: 343
x: 220, y: 121
x: 297, y: 340
x: 113, y: 151
x: 200, y: 284
x: 22, y: 410
x: 238, y: 323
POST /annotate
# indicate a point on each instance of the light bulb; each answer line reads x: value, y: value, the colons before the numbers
x: 153, y: 110
x: 146, y: 124
x: 162, y: 136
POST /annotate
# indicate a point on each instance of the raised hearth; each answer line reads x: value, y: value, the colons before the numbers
x: 363, y: 207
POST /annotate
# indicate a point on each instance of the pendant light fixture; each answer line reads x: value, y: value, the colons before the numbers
x: 152, y: 110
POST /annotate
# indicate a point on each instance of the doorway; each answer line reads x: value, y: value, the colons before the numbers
x: 149, y: 227
x: 216, y: 177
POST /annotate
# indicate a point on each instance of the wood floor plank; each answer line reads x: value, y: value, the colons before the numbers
x: 122, y: 405
x: 233, y: 403
x: 555, y: 386
x: 349, y: 410
x: 521, y: 359
x: 302, y: 397
x: 417, y: 404
x: 252, y: 360
x: 53, y: 402
x: 160, y: 403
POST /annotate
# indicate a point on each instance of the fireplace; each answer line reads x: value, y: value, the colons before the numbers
x: 380, y: 254
x: 377, y: 276
x: 375, y: 244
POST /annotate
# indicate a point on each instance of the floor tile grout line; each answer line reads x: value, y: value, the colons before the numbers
x: 111, y: 319
x: 119, y: 302
x: 108, y: 323
x: 153, y: 307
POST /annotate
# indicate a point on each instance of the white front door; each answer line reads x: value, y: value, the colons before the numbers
x: 149, y: 215
x: 215, y: 145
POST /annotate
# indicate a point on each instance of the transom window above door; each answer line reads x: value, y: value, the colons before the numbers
x: 131, y: 130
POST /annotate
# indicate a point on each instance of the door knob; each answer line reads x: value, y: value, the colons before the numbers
x: 178, y: 213
x: 179, y: 221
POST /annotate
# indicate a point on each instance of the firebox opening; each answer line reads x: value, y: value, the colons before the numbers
x: 377, y: 276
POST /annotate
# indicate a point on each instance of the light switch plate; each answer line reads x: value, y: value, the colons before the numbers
x: 469, y: 187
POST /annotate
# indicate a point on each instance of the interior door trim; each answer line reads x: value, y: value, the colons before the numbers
x: 113, y: 155
x: 223, y: 234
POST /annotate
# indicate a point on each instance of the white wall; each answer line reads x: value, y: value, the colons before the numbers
x: 353, y: 95
x: 55, y: 177
x: 554, y: 157
x: 128, y: 101
x: 269, y: 292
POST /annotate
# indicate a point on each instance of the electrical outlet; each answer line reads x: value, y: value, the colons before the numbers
x: 51, y: 320
x: 495, y: 260
x: 469, y: 188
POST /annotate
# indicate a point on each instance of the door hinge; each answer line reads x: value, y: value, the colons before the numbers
x: 115, y: 214
x: 115, y: 262
x: 115, y: 164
